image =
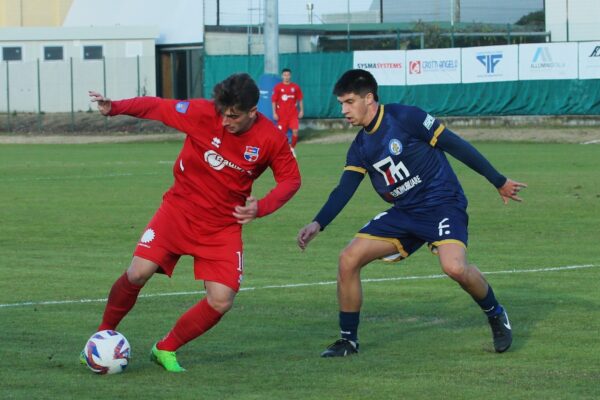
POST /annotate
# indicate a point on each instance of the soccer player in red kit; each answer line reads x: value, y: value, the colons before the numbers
x: 288, y: 107
x: 229, y: 144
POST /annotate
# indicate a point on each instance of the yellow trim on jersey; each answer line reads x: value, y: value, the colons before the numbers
x: 378, y: 121
x: 393, y: 241
x: 437, y: 133
x: 434, y: 245
x: 355, y: 169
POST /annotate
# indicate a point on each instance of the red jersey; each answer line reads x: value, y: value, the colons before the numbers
x: 285, y: 98
x: 215, y: 169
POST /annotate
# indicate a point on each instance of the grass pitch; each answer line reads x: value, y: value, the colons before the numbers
x: 70, y: 216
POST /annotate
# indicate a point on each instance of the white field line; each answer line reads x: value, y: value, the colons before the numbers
x: 591, y: 141
x: 295, y: 285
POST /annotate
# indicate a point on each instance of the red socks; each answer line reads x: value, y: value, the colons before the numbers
x: 121, y: 299
x: 193, y: 323
x: 197, y: 320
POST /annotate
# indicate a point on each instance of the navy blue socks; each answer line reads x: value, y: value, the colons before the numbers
x: 349, y: 325
x: 489, y: 304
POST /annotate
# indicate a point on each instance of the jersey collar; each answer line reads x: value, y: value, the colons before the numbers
x: 374, y: 125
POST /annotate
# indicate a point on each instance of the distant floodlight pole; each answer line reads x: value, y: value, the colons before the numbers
x: 271, y: 35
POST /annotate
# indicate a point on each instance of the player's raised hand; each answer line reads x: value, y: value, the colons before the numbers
x: 247, y: 213
x: 307, y: 234
x: 510, y: 190
x: 104, y: 104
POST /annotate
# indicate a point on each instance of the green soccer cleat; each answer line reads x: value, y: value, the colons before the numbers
x: 82, y: 358
x: 166, y: 359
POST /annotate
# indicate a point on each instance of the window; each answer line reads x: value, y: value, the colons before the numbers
x: 92, y: 52
x: 52, y: 53
x: 12, y: 54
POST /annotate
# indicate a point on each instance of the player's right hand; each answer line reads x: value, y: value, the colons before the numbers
x: 104, y: 104
x: 307, y: 234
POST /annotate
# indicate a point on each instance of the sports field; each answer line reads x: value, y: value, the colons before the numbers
x: 70, y: 216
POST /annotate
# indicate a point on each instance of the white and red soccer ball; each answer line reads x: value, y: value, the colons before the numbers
x: 107, y: 352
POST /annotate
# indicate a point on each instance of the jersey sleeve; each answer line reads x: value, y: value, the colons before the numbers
x: 275, y: 95
x: 181, y: 115
x: 422, y: 125
x: 299, y: 95
x: 287, y: 177
x: 354, y: 161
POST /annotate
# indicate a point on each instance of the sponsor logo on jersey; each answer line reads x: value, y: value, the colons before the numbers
x: 251, y: 153
x: 216, y: 161
x: 406, y: 186
x: 182, y: 107
x: 147, y: 237
x: 428, y: 123
x: 395, y: 147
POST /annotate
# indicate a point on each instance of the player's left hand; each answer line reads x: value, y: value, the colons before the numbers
x: 300, y: 114
x: 510, y: 190
x: 247, y: 213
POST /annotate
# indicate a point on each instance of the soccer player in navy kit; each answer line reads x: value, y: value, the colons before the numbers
x: 402, y: 149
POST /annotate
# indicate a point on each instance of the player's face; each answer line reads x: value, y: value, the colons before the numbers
x: 238, y: 122
x: 287, y: 77
x: 356, y: 108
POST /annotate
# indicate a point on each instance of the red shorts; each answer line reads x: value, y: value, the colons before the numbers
x: 217, y: 251
x: 288, y: 123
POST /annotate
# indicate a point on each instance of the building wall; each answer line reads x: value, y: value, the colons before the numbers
x: 580, y: 17
x: 33, y: 12
x: 236, y: 43
x: 34, y: 84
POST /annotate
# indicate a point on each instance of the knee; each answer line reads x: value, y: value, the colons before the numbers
x: 347, y: 263
x: 455, y: 270
x: 219, y: 303
x: 137, y: 277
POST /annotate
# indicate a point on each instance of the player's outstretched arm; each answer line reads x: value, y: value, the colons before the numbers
x: 510, y: 190
x: 104, y: 104
x: 307, y: 234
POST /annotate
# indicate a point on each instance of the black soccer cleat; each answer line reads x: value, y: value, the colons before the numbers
x: 341, y: 348
x: 501, y: 330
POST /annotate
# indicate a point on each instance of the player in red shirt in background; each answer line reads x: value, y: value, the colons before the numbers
x: 229, y: 144
x: 288, y: 107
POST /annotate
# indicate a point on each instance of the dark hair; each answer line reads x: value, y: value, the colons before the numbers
x: 238, y: 91
x: 286, y: 70
x: 356, y: 81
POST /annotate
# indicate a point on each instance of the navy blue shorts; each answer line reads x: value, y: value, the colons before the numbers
x: 409, y: 230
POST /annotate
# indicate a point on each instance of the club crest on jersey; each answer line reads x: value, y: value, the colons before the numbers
x: 182, y: 107
x: 251, y: 153
x: 395, y: 147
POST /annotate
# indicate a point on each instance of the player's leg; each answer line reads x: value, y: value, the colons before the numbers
x: 294, y: 125
x: 221, y: 272
x: 125, y: 291
x: 353, y: 258
x: 193, y: 323
x: 454, y: 263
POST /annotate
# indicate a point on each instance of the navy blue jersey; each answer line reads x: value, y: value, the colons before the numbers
x: 398, y: 151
